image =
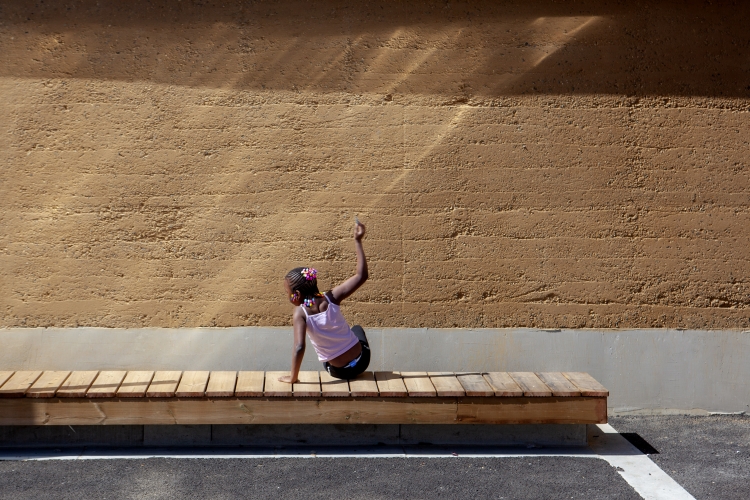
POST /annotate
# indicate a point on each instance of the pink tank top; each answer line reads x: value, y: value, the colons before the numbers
x: 329, y: 332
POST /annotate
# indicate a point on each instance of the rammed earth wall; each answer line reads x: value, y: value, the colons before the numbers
x: 528, y: 164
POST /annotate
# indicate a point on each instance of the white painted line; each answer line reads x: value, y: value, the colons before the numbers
x: 306, y: 452
x: 495, y: 452
x: 636, y: 468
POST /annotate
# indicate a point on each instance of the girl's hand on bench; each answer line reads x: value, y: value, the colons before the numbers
x: 287, y: 379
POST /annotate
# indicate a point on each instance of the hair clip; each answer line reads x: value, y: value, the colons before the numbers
x: 309, y: 273
x: 309, y: 302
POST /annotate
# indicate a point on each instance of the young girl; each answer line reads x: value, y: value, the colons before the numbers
x: 344, y: 351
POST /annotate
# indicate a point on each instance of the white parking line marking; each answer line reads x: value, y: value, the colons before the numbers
x: 306, y: 452
x: 636, y: 468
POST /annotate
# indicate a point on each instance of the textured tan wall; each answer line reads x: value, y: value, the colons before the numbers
x: 524, y: 164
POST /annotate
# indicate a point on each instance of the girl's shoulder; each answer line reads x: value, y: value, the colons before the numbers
x: 328, y: 296
x: 325, y: 302
x: 321, y: 306
x: 298, y: 314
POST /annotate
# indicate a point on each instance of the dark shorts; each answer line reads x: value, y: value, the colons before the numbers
x: 356, y: 367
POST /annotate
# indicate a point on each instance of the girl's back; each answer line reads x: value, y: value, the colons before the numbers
x: 328, y: 331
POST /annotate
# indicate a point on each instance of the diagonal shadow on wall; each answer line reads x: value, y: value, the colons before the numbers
x: 456, y: 49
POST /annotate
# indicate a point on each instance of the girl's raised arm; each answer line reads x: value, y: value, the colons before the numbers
x: 350, y: 286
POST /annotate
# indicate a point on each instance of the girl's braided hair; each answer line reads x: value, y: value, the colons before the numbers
x: 304, y: 281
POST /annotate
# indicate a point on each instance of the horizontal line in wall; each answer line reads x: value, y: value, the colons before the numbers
x: 405, y: 211
x: 259, y: 97
x: 234, y: 144
x: 393, y: 304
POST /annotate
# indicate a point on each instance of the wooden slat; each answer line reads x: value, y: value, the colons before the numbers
x: 530, y: 384
x: 503, y: 384
x: 4, y: 376
x: 76, y: 385
x: 552, y: 410
x: 249, y: 384
x: 332, y: 387
x: 106, y: 384
x: 446, y: 384
x: 308, y: 385
x: 19, y: 383
x: 474, y: 384
x: 274, y: 388
x: 418, y: 384
x: 197, y: 411
x: 558, y: 384
x: 192, y: 385
x: 164, y: 384
x: 390, y: 385
x: 46, y: 386
x: 135, y: 384
x: 586, y: 384
x: 364, y: 386
x: 221, y: 384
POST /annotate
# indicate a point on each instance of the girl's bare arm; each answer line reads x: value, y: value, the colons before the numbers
x: 300, y: 326
x: 350, y: 286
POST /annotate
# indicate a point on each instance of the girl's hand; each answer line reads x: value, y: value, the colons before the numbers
x: 359, y: 231
x: 287, y: 379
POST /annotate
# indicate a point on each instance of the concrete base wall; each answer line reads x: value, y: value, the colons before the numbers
x: 683, y: 371
x: 292, y: 435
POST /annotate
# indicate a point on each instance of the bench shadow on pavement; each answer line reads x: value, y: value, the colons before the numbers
x: 641, y: 444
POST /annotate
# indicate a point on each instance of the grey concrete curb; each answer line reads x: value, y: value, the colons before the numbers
x: 291, y: 435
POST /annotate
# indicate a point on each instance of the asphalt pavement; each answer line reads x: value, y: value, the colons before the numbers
x: 708, y: 456
x: 310, y: 478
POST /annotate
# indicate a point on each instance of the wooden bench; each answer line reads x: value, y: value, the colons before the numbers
x: 253, y: 397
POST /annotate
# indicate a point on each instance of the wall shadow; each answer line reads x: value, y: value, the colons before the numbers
x: 456, y: 49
